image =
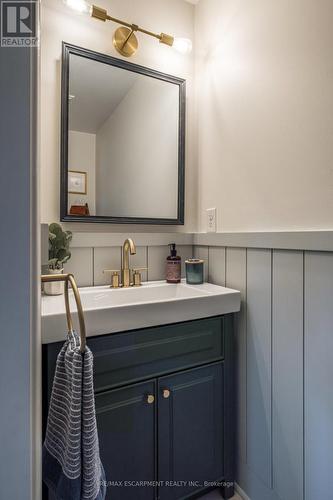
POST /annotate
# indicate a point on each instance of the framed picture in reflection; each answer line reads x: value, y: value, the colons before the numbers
x: 77, y: 182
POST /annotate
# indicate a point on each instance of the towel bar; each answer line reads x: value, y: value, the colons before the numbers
x: 69, y: 278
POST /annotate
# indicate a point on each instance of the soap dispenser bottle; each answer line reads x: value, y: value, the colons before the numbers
x: 173, y: 265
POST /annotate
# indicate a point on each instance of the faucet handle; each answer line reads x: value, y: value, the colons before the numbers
x: 137, y: 275
x: 115, y: 277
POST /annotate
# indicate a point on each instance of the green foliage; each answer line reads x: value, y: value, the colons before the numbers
x: 59, y: 242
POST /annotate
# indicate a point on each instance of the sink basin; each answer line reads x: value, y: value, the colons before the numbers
x: 154, y: 303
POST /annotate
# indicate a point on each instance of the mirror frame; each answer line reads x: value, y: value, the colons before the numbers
x: 67, y: 50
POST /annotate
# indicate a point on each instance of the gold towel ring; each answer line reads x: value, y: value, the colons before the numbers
x: 69, y: 278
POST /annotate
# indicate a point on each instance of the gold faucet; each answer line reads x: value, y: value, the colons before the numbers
x: 128, y: 248
x: 126, y: 275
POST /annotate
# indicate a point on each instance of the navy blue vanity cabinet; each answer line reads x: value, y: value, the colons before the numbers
x: 164, y: 407
x: 190, y: 430
x: 126, y: 420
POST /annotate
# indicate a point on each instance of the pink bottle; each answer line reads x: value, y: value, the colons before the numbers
x: 173, y: 266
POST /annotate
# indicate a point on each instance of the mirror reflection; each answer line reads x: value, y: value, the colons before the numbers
x: 124, y: 156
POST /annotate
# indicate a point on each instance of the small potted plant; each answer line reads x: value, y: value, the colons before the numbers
x: 59, y: 254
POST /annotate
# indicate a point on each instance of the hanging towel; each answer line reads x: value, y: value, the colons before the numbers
x: 72, y: 468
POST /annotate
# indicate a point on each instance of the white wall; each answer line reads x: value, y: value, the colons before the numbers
x: 58, y: 24
x: 264, y: 102
x: 140, y: 180
x: 265, y: 113
x: 82, y: 157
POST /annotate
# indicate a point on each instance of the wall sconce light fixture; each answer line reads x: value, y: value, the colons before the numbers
x: 124, y: 38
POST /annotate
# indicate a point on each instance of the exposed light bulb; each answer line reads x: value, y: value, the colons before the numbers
x: 182, y: 45
x: 80, y: 6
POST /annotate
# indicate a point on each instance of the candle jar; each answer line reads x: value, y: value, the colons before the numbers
x: 194, y: 271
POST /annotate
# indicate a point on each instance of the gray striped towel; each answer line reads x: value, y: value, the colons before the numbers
x: 72, y: 468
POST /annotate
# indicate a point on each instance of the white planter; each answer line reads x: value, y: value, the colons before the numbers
x: 54, y: 287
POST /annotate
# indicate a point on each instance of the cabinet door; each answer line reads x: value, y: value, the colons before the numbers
x: 190, y: 430
x: 126, y: 428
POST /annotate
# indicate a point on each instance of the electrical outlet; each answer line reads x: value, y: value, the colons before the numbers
x: 211, y: 220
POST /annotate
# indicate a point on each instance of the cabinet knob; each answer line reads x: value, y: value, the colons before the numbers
x: 150, y: 399
x: 166, y: 393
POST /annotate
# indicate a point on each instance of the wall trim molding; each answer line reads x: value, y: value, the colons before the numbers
x: 288, y: 240
x: 280, y: 240
x: 90, y: 239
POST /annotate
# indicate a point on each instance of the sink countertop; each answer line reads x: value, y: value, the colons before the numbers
x: 155, y: 303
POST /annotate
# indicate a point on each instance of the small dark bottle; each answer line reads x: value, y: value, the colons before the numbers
x: 173, y: 265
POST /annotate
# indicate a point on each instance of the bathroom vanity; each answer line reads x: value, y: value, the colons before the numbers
x: 163, y: 356
x: 164, y: 394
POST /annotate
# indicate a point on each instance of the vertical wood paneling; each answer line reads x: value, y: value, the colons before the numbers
x: 287, y: 337
x: 216, y: 270
x: 284, y: 338
x: 318, y: 370
x: 105, y: 258
x: 157, y: 256
x: 236, y: 278
x: 259, y: 353
x: 81, y: 265
x: 186, y: 252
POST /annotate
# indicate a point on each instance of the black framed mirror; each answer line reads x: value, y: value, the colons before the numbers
x: 122, y: 141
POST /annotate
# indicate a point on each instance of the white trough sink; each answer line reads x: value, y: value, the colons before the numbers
x: 154, y: 303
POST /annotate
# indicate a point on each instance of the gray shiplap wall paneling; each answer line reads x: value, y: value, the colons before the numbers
x: 105, y: 258
x: 259, y: 357
x: 287, y: 374
x: 88, y: 263
x: 273, y: 462
x: 318, y: 370
x: 216, y: 265
x: 236, y: 278
x: 185, y: 252
x: 81, y: 265
x: 156, y: 262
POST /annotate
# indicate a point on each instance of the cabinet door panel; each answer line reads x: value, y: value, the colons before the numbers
x: 126, y: 428
x: 190, y: 430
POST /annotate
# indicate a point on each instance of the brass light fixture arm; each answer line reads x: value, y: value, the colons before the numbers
x: 102, y: 15
x: 69, y: 279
